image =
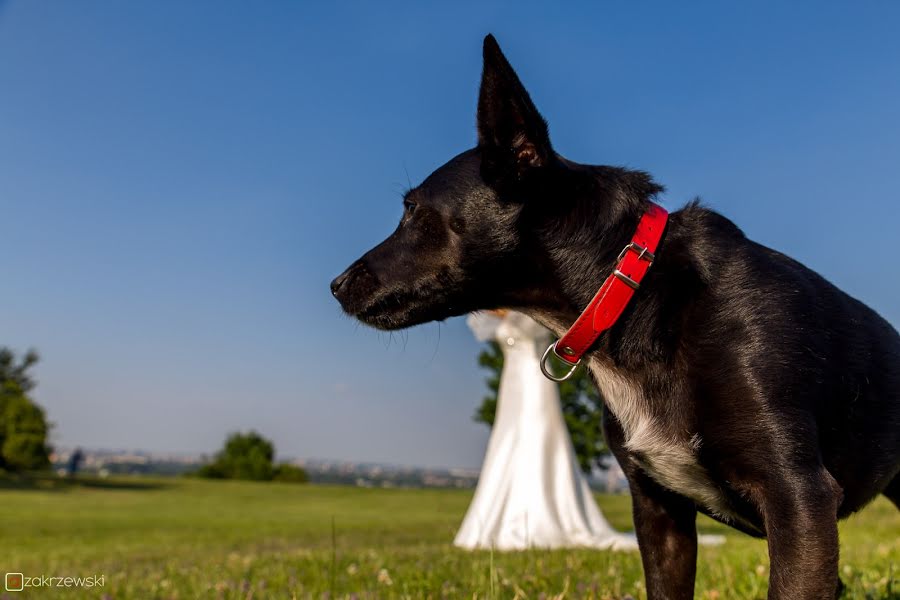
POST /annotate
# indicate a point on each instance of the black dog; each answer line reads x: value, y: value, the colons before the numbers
x: 737, y: 382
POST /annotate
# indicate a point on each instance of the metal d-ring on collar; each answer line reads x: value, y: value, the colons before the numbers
x: 546, y: 371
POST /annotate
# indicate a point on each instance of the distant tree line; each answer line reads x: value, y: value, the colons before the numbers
x: 250, y: 456
x: 582, y: 408
x: 23, y: 424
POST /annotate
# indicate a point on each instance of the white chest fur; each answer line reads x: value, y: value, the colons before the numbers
x: 669, y: 459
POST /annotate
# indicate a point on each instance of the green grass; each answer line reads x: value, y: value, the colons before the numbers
x: 190, y: 539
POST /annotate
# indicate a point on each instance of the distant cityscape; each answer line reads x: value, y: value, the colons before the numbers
x: 105, y: 463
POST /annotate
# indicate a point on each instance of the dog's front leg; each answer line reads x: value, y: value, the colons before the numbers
x: 666, y: 526
x: 800, y: 513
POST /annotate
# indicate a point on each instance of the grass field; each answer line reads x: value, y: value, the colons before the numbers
x: 178, y: 538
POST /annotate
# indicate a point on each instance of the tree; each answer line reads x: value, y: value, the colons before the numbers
x: 17, y: 373
x: 581, y: 405
x: 23, y: 424
x: 250, y: 456
x: 289, y: 473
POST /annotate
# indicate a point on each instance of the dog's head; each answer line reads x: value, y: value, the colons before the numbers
x: 463, y: 240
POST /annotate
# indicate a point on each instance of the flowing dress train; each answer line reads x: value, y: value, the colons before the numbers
x: 531, y: 491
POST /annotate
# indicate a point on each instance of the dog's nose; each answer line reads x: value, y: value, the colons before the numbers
x: 339, y: 282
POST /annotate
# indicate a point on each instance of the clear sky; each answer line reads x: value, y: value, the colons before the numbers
x: 179, y: 182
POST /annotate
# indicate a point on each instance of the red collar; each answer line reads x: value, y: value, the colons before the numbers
x: 613, y: 296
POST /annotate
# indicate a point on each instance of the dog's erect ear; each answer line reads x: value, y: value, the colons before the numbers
x: 510, y: 129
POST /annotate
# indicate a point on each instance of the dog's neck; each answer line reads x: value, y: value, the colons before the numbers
x: 603, y: 207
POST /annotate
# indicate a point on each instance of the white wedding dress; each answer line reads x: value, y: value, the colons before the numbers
x: 531, y: 491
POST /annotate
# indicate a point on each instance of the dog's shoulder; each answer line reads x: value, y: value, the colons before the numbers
x: 704, y: 240
x: 699, y: 219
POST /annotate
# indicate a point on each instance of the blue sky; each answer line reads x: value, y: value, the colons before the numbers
x: 180, y: 181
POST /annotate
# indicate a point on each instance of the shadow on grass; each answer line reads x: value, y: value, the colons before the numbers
x: 52, y: 483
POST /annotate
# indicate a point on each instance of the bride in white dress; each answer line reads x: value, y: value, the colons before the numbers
x: 531, y: 492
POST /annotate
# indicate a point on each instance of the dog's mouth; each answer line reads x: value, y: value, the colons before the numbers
x: 387, y: 318
x: 400, y: 309
x: 390, y: 308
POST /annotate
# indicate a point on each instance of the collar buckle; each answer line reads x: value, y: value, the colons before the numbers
x: 643, y: 253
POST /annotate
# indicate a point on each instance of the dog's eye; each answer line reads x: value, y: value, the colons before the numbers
x: 409, y: 206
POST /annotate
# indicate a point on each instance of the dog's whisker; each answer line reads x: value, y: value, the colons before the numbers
x: 437, y: 343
